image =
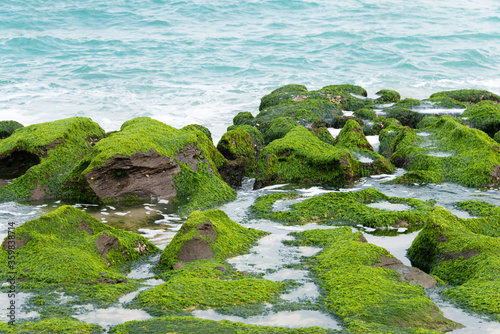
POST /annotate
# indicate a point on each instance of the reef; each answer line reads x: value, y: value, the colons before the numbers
x: 464, y: 253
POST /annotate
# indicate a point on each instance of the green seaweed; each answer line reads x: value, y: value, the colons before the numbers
x: 362, y: 295
x: 189, y: 325
x: 365, y: 113
x: 338, y: 208
x: 301, y: 157
x: 238, y: 144
x: 484, y: 116
x: 387, y: 96
x: 201, y: 128
x: 281, y: 95
x: 54, y: 325
x: 8, y: 127
x: 42, y: 156
x: 467, y: 95
x: 463, y: 253
x: 478, y: 208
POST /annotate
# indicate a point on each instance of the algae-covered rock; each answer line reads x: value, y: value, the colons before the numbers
x: 378, y: 124
x: 208, y: 234
x: 242, y: 118
x: 279, y: 127
x: 301, y: 157
x: 148, y: 159
x: 484, y: 116
x: 387, y: 96
x: 8, y: 127
x: 467, y: 95
x: 448, y: 151
x: 41, y: 157
x: 339, y: 208
x: 464, y: 253
x: 358, y: 289
x: 283, y: 94
x: 67, y: 245
x: 365, y: 113
x: 403, y: 113
x: 352, y: 138
x: 52, y: 325
x: 190, y: 325
x: 200, y: 128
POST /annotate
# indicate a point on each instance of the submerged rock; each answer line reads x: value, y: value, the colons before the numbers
x: 301, y: 157
x: 8, y: 127
x: 67, y: 245
x: 206, y: 235
x: 148, y: 159
x: 360, y: 287
x: 41, y: 157
x: 337, y: 208
x: 466, y: 254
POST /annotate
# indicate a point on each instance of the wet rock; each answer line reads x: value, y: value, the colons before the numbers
x: 198, y: 127
x: 148, y: 159
x: 464, y: 253
x: 387, y: 96
x: 484, y: 116
x: 206, y: 235
x: 57, y: 250
x: 8, y: 127
x: 301, y: 157
x: 221, y: 269
x: 407, y: 274
x: 471, y: 96
x: 42, y: 156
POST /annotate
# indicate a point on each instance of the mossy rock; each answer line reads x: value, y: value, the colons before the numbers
x: 464, y: 253
x: 52, y: 325
x: 236, y: 144
x: 387, y: 96
x: 468, y: 95
x: 69, y: 246
x: 41, y: 157
x: 338, y: 208
x: 365, y: 113
x: 451, y: 152
x: 279, y: 127
x: 378, y: 124
x: 484, y: 116
x: 212, y: 235
x: 404, y: 115
x: 352, y: 138
x: 479, y: 208
x: 254, y: 133
x: 447, y: 102
x: 8, y: 127
x: 340, y: 122
x: 189, y: 325
x: 201, y: 128
x: 324, y: 135
x: 301, y: 157
x: 358, y: 288
x: 148, y: 159
x: 243, y: 117
x: 282, y: 94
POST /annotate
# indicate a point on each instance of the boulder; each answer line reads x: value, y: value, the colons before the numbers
x: 485, y: 116
x: 8, y: 127
x: 42, y: 156
x: 387, y: 96
x: 470, y: 96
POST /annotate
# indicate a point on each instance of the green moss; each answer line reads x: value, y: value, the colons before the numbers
x: 53, y: 326
x: 448, y: 102
x: 468, y: 95
x: 188, y: 325
x: 387, y: 96
x: 484, y: 116
x: 365, y: 113
x: 361, y: 294
x: 41, y: 157
x: 301, y: 157
x: 378, y: 124
x: 242, y: 118
x: 201, y: 128
x: 254, y: 133
x: 60, y: 249
x: 478, y: 208
x: 232, y: 239
x: 238, y: 144
x: 473, y: 156
x: 407, y: 103
x: 324, y: 135
x: 278, y: 128
x: 404, y: 115
x: 283, y: 94
x: 8, y: 127
x: 465, y: 253
x: 338, y: 208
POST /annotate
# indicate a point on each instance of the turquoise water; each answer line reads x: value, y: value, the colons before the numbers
x: 185, y: 62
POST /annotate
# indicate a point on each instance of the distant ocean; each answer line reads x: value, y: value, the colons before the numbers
x: 184, y: 62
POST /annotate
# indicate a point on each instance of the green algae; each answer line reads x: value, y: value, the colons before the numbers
x: 281, y: 95
x: 484, y: 116
x: 8, y: 127
x: 338, y: 208
x: 201, y: 128
x: 232, y: 239
x: 41, y: 157
x: 69, y: 246
x: 465, y: 254
x: 378, y: 124
x: 365, y: 113
x: 279, y: 127
x: 254, y: 133
x: 303, y: 158
x: 473, y: 160
x: 238, y: 144
x: 471, y: 96
x: 447, y: 102
x: 387, y: 96
x: 366, y: 297
x: 188, y: 325
x: 54, y: 325
x: 242, y: 118
x: 478, y: 208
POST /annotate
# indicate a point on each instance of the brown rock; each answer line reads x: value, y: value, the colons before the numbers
x: 407, y: 274
x: 104, y: 244
x: 195, y: 249
x: 17, y: 243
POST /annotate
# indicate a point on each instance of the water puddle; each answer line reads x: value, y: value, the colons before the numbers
x: 112, y: 316
x: 389, y: 206
x: 20, y: 300
x: 396, y: 245
x: 289, y: 319
x: 374, y: 142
